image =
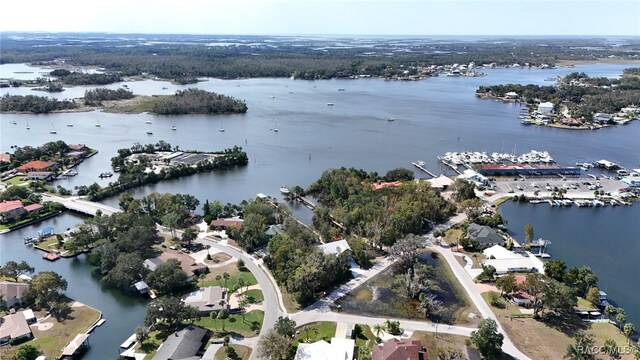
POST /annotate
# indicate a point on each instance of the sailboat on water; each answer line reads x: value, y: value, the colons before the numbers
x: 275, y: 127
x: 222, y: 128
x: 98, y: 123
x: 28, y: 127
x: 53, y: 130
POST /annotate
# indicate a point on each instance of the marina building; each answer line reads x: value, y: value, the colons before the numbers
x: 545, y: 108
x: 528, y: 170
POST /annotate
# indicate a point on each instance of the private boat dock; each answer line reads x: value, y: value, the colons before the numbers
x: 421, y: 165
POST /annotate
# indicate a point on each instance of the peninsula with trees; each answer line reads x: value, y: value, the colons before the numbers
x: 578, y: 101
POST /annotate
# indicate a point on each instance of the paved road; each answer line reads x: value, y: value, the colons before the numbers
x: 271, y: 302
x: 470, y: 287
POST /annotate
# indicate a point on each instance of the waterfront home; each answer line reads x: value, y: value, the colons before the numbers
x: 29, y: 316
x: 484, y: 235
x: 234, y: 222
x: 40, y: 175
x: 394, y: 349
x: 600, y: 118
x: 75, y: 347
x: 12, y: 293
x: 36, y: 165
x: 274, y: 230
x: 207, y: 299
x: 321, y: 350
x: 383, y: 185
x: 440, y: 183
x: 187, y: 263
x: 184, y: 344
x: 142, y: 287
x: 511, y: 95
x: 11, y: 210
x: 545, y: 108
x: 335, y: 247
x: 5, y: 158
x: 14, y: 327
x: 46, y: 231
x: 506, y: 261
x: 571, y: 122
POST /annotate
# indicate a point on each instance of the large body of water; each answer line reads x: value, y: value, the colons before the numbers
x: 432, y: 116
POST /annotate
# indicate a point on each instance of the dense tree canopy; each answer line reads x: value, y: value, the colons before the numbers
x: 33, y: 104
x: 196, y: 101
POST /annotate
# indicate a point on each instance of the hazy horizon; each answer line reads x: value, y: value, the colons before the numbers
x: 494, y: 18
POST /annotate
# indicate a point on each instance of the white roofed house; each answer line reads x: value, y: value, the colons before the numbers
x: 335, y: 247
x: 337, y: 349
x: 546, y: 108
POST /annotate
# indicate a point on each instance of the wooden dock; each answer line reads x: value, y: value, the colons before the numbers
x: 421, y: 167
x: 454, y: 167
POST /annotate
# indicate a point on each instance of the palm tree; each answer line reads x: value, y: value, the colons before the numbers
x: 621, y: 318
x: 306, y: 331
x: 214, y: 315
x: 225, y: 341
x: 223, y: 315
x: 377, y: 329
x: 239, y: 285
x: 629, y: 329
x: 218, y: 278
x: 226, y: 277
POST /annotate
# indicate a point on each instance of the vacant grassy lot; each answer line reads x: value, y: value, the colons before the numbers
x: 548, y: 338
x: 323, y: 330
x: 249, y: 326
x: 431, y: 343
x: 234, y: 275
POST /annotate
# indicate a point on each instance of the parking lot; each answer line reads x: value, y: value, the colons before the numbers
x: 583, y: 187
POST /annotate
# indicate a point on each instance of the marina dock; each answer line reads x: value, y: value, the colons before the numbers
x: 421, y: 165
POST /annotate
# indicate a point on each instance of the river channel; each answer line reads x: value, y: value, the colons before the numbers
x: 432, y: 116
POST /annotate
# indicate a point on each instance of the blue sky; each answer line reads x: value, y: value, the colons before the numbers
x: 350, y: 17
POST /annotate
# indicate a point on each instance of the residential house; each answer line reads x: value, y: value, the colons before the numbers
x: 600, y: 118
x: 36, y: 165
x: 40, y: 175
x: 335, y: 247
x: 34, y: 208
x: 226, y: 223
x: 207, y: 299
x: 511, y: 95
x: 394, y: 349
x: 14, y: 327
x: 187, y: 263
x: 338, y: 349
x: 29, y: 316
x: 5, y: 158
x: 484, y: 235
x: 441, y: 182
x: 383, y: 185
x: 12, y: 293
x: 11, y: 210
x: 545, y: 108
x: 274, y: 230
x: 571, y: 122
x: 184, y: 344
x: 506, y: 261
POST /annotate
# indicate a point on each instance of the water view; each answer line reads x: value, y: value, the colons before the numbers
x: 432, y: 116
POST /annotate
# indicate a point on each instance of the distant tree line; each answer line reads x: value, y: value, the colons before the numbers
x: 196, y: 101
x: 33, y: 104
x: 79, y: 78
x: 97, y: 96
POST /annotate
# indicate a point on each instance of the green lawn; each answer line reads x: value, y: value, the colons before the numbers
x: 16, y: 180
x: 254, y: 296
x: 365, y: 338
x: 323, y: 330
x: 453, y: 235
x: 235, y: 274
x: 53, y: 340
x: 242, y: 351
x: 247, y: 327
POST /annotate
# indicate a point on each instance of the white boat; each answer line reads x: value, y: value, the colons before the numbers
x: 69, y: 125
x: 174, y: 127
x: 221, y: 130
x: 53, y: 132
x: 330, y: 104
x: 389, y: 118
x: 341, y: 89
x: 285, y: 190
x: 28, y: 127
x: 148, y: 122
x: 149, y: 132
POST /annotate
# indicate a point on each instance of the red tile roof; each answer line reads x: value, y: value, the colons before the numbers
x: 382, y: 185
x: 33, y: 207
x: 37, y: 165
x: 5, y: 157
x: 10, y: 205
x: 394, y: 349
x: 225, y: 223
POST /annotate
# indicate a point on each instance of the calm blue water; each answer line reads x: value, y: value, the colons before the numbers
x: 432, y: 116
x: 605, y: 239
